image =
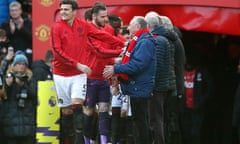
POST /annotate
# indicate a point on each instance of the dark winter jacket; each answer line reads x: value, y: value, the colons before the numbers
x: 165, y: 79
x: 180, y: 60
x: 41, y: 71
x: 19, y: 109
x: 21, y: 39
x: 140, y: 69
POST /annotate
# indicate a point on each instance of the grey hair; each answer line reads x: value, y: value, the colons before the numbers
x: 15, y: 4
x: 141, y: 21
x: 166, y: 22
x: 153, y: 21
x: 152, y: 13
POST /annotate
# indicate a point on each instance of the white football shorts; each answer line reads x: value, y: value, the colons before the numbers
x: 68, y: 87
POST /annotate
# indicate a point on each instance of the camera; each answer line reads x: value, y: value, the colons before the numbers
x: 22, y: 97
x: 21, y: 77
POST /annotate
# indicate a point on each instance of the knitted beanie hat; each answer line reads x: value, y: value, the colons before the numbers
x: 20, y: 58
x: 19, y: 52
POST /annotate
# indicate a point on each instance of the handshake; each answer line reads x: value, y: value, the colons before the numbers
x: 107, y: 72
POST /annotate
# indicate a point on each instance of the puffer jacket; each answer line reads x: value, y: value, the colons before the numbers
x: 19, y: 118
x: 165, y: 79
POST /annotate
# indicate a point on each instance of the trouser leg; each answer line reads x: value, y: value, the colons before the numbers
x: 118, y: 127
x: 140, y: 116
x: 123, y: 130
x: 157, y: 117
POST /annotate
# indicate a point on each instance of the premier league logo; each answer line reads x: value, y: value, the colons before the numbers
x: 52, y: 101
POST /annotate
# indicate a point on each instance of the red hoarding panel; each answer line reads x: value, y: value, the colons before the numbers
x: 42, y: 18
x: 207, y: 19
x: 214, y: 3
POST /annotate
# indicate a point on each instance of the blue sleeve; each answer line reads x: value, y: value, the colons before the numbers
x: 139, y: 59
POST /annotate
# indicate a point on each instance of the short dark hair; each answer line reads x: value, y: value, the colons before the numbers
x: 97, y: 7
x: 71, y: 2
x: 114, y: 20
x: 88, y: 14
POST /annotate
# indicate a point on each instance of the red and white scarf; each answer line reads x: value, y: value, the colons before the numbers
x: 130, y: 48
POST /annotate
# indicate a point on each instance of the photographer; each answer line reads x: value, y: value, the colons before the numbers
x: 19, y: 104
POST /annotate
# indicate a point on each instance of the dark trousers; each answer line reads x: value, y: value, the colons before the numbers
x: 172, y: 120
x: 118, y: 125
x: 140, y: 108
x: 164, y: 118
x: 157, y: 117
